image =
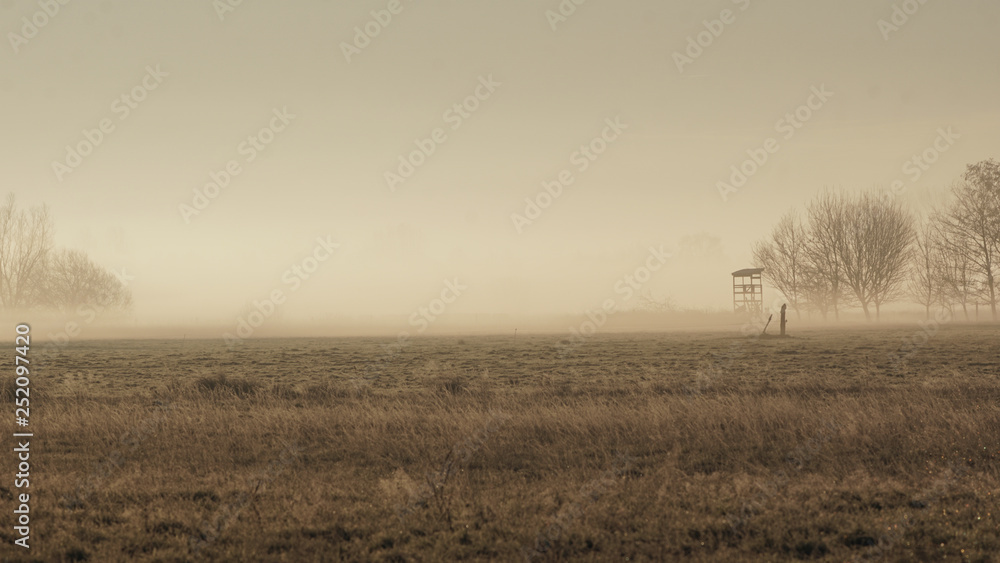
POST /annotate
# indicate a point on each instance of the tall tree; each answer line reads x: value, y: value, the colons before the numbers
x: 874, y: 253
x: 971, y: 224
x: 815, y: 289
x: 926, y: 284
x: 956, y: 272
x: 783, y: 257
x: 25, y: 242
x: 827, y: 218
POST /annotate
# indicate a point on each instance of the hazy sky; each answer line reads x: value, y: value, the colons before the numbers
x: 213, y: 81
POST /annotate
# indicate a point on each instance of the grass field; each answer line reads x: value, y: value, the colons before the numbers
x: 630, y: 447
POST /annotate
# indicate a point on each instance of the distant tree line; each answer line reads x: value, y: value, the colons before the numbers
x: 867, y: 250
x: 35, y: 275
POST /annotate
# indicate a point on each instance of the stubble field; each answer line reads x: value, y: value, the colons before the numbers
x: 628, y: 447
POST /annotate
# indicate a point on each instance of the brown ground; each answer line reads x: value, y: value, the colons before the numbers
x: 630, y: 447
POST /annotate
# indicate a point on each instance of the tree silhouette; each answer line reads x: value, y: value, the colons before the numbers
x: 25, y: 242
x: 72, y: 279
x: 783, y: 257
x: 33, y: 275
x: 971, y: 225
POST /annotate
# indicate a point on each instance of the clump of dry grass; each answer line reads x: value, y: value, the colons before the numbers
x: 222, y: 384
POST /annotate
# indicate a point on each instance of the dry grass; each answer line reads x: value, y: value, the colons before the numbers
x: 602, y: 456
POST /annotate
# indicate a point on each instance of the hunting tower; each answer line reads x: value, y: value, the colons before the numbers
x: 748, y: 291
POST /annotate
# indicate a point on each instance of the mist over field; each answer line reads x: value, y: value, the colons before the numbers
x: 222, y: 142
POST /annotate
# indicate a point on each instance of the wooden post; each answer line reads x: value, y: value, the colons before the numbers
x: 783, y: 321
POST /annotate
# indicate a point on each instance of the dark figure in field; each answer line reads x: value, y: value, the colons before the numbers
x: 783, y: 321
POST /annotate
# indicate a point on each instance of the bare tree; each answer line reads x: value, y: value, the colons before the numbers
x: 956, y: 272
x: 25, y: 242
x: 985, y: 176
x: 971, y: 225
x: 827, y: 218
x: 927, y: 284
x: 72, y: 279
x: 815, y: 289
x: 783, y: 257
x: 33, y: 275
x: 874, y: 252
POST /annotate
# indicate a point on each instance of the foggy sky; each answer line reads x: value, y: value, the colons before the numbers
x: 220, y: 80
